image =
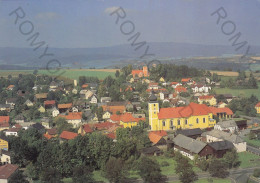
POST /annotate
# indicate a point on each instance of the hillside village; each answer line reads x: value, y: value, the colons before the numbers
x: 140, y: 112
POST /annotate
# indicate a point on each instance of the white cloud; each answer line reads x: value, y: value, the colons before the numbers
x: 111, y: 9
x: 47, y: 16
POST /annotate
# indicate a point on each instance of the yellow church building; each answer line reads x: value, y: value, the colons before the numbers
x: 188, y: 117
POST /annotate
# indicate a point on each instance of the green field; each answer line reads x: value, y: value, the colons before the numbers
x: 248, y: 159
x: 254, y: 142
x: 69, y: 73
x: 239, y: 92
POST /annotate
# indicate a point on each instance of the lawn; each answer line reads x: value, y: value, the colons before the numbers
x: 248, y: 159
x: 253, y: 142
x: 239, y: 92
x: 215, y: 180
x: 69, y: 73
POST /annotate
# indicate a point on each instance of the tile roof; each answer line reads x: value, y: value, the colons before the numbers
x: 180, y: 89
x: 72, y: 116
x: 206, y: 97
x: 41, y: 95
x: 126, y: 117
x: 49, y: 102
x: 52, y: 131
x: 154, y: 138
x: 47, y: 136
x: 185, y: 79
x: 192, y: 109
x: 84, y: 86
x: 258, y: 104
x: 68, y: 135
x: 111, y: 135
x: 227, y: 124
x: 221, y: 145
x: 134, y: 72
x: 190, y: 132
x: 216, y: 110
x: 4, y: 119
x: 65, y: 106
x: 7, y: 170
x: 10, y: 86
x: 161, y: 133
x: 87, y: 128
x: 114, y: 109
x: 189, y: 144
x: 225, y: 136
x: 104, y: 125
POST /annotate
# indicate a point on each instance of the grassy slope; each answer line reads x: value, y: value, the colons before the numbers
x: 215, y: 180
x: 248, y: 159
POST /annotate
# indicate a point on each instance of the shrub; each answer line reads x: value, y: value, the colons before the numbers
x: 164, y: 163
x: 256, y: 172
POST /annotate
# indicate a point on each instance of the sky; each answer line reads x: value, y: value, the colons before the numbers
x: 89, y: 23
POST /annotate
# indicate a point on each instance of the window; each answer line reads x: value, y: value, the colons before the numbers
x: 197, y: 120
x: 154, y: 105
x: 186, y: 121
x: 171, y: 123
x: 179, y: 122
x: 204, y: 120
x: 154, y: 112
x: 163, y: 123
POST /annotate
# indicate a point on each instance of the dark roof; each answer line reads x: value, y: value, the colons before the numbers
x: 11, y: 100
x: 7, y: 170
x: 152, y: 97
x: 38, y: 126
x: 190, y: 132
x: 4, y: 137
x: 149, y: 150
x: 221, y: 145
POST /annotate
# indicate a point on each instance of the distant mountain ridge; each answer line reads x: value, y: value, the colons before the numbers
x: 113, y: 55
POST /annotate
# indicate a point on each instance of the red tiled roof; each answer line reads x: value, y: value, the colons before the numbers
x: 150, y: 84
x: 105, y: 125
x: 114, y: 109
x: 185, y: 79
x: 216, y: 110
x: 84, y: 86
x: 87, y: 128
x: 111, y: 136
x: 136, y: 72
x: 10, y: 86
x: 180, y: 89
x: 49, y: 102
x: 115, y: 117
x: 52, y: 131
x: 65, y: 106
x: 206, y: 97
x: 47, y: 136
x: 68, y: 135
x: 4, y: 119
x: 174, y: 83
x: 156, y: 90
x: 192, y: 109
x: 258, y: 104
x: 126, y: 117
x: 154, y: 138
x: 72, y: 116
x: 7, y: 170
x: 161, y: 133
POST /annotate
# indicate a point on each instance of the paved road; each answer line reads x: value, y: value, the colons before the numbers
x: 253, y: 150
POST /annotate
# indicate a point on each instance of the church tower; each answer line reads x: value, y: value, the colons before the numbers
x: 145, y: 71
x: 153, y: 108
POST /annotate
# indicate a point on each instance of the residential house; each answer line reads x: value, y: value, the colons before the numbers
x: 19, y: 119
x: 128, y: 121
x: 188, y: 117
x: 93, y: 99
x: 84, y: 86
x: 51, y: 133
x: 175, y: 84
x: 105, y: 99
x: 53, y: 86
x: 28, y: 103
x: 217, y: 135
x: 200, y: 88
x: 221, y: 113
x: 257, y: 107
x: 64, y: 107
x: 5, y: 107
x: 41, y: 96
x: 49, y: 104
x: 227, y: 126
x: 180, y: 89
x: 158, y: 138
x: 6, y: 171
x: 187, y: 81
x: 189, y: 147
x: 5, y: 157
x: 222, y: 105
x: 55, y: 112
x: 153, y: 86
x: 22, y: 93
x: 74, y: 91
x: 140, y: 73
x: 39, y: 127
x: 4, y: 143
x: 106, y: 115
x: 211, y: 100
x: 4, y: 122
x: 11, y: 102
x: 228, y: 97
x: 164, y: 95
x: 86, y: 94
x: 220, y: 148
x: 152, y: 151
x: 192, y: 133
x: 41, y: 109
x: 10, y: 87
x: 66, y: 135
x: 74, y: 118
x: 12, y: 131
x: 84, y: 129
x: 114, y: 109
x: 45, y: 121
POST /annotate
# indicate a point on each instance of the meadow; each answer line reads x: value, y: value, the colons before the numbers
x: 68, y: 73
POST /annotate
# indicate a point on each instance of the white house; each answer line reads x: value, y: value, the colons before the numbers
x: 200, y: 89
x: 229, y: 126
x: 218, y: 135
x: 12, y: 131
x: 5, y: 156
x: 28, y: 103
x: 93, y: 100
x: 55, y: 112
x: 175, y: 84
